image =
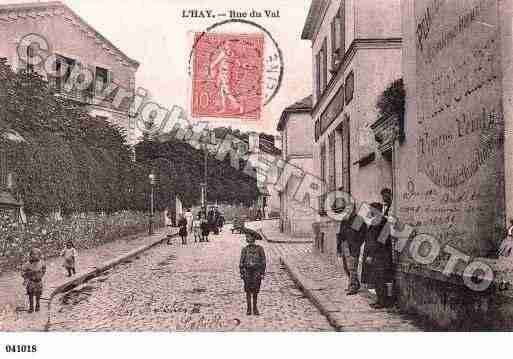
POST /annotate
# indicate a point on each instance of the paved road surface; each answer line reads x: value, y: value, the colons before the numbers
x: 188, y: 288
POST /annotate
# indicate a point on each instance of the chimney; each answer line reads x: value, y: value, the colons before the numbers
x: 278, y: 142
x: 254, y: 145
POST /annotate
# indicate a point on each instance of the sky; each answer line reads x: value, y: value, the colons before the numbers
x: 154, y: 33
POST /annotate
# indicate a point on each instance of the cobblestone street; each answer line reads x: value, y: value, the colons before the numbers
x: 195, y: 287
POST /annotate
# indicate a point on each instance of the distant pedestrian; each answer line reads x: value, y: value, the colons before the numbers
x: 212, y: 220
x: 220, y: 222
x: 205, y: 228
x: 196, y: 227
x: 33, y: 272
x: 70, y: 256
x: 252, y: 270
x: 510, y: 229
x: 182, y: 232
x: 189, y: 217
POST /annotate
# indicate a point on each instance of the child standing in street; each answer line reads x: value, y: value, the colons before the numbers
x: 182, y: 223
x: 196, y: 227
x: 205, y: 228
x: 33, y: 272
x: 252, y: 270
x: 70, y: 254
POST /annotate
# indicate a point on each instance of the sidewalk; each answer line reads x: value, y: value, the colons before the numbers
x: 13, y: 301
x: 272, y: 228
x: 325, y: 285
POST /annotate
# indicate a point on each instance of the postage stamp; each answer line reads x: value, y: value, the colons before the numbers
x: 227, y: 75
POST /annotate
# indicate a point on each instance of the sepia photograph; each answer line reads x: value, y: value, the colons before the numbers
x: 260, y: 173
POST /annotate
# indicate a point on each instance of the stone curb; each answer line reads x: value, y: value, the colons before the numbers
x: 83, y: 277
x: 314, y: 293
x: 282, y: 241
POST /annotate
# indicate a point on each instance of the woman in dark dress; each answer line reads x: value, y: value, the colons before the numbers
x: 252, y: 269
x: 205, y: 228
x: 182, y: 223
x: 377, y: 259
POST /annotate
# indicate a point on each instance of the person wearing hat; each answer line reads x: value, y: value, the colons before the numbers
x: 33, y: 272
x: 252, y: 270
x: 378, y: 268
x: 354, y: 240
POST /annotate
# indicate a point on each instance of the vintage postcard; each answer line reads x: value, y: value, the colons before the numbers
x: 262, y: 166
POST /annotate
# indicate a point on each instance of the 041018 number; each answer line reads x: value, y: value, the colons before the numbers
x: 17, y: 348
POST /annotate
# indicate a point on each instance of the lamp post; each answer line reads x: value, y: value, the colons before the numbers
x: 151, y: 176
x: 205, y: 141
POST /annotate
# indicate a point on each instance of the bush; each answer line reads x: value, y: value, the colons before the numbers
x: 86, y: 231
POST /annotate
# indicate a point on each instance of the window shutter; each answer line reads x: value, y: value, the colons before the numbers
x: 318, y: 76
x: 332, y: 178
x: 346, y: 156
x: 341, y: 37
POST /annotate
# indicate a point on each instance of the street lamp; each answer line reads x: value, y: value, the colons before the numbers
x: 151, y: 176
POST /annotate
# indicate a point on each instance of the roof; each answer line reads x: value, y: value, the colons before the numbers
x: 269, y: 148
x: 313, y: 17
x: 55, y: 5
x: 304, y: 105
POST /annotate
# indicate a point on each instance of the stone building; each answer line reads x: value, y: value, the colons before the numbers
x: 296, y: 129
x: 454, y: 168
x: 356, y: 50
x: 262, y: 153
x: 74, y: 42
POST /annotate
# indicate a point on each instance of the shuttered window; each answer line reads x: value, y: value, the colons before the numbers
x: 323, y: 178
x: 344, y: 132
x: 332, y: 183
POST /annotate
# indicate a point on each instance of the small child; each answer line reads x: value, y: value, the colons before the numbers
x: 70, y: 254
x: 33, y: 272
x: 182, y: 223
x: 252, y: 270
x: 196, y: 222
x: 205, y: 228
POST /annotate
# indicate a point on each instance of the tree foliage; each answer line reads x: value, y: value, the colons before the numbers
x: 392, y: 100
x: 75, y: 163
x: 70, y: 160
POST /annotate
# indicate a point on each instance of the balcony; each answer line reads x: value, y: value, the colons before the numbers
x: 386, y: 130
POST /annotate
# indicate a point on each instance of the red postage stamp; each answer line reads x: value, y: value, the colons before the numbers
x: 227, y: 75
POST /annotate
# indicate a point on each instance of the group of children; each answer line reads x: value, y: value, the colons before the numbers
x: 198, y: 226
x: 34, y: 270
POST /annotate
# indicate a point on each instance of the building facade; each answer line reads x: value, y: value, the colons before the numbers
x: 356, y: 50
x: 262, y: 154
x: 296, y: 130
x: 454, y: 168
x: 75, y: 43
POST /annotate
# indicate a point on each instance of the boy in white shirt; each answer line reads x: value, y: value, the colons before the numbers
x: 70, y: 254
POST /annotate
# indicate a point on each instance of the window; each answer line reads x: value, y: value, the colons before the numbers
x: 318, y: 75
x: 344, y: 134
x: 101, y: 78
x: 31, y: 52
x: 324, y: 66
x: 63, y: 65
x: 321, y: 70
x: 337, y: 39
x: 331, y: 148
x: 323, y: 179
x: 349, y: 87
